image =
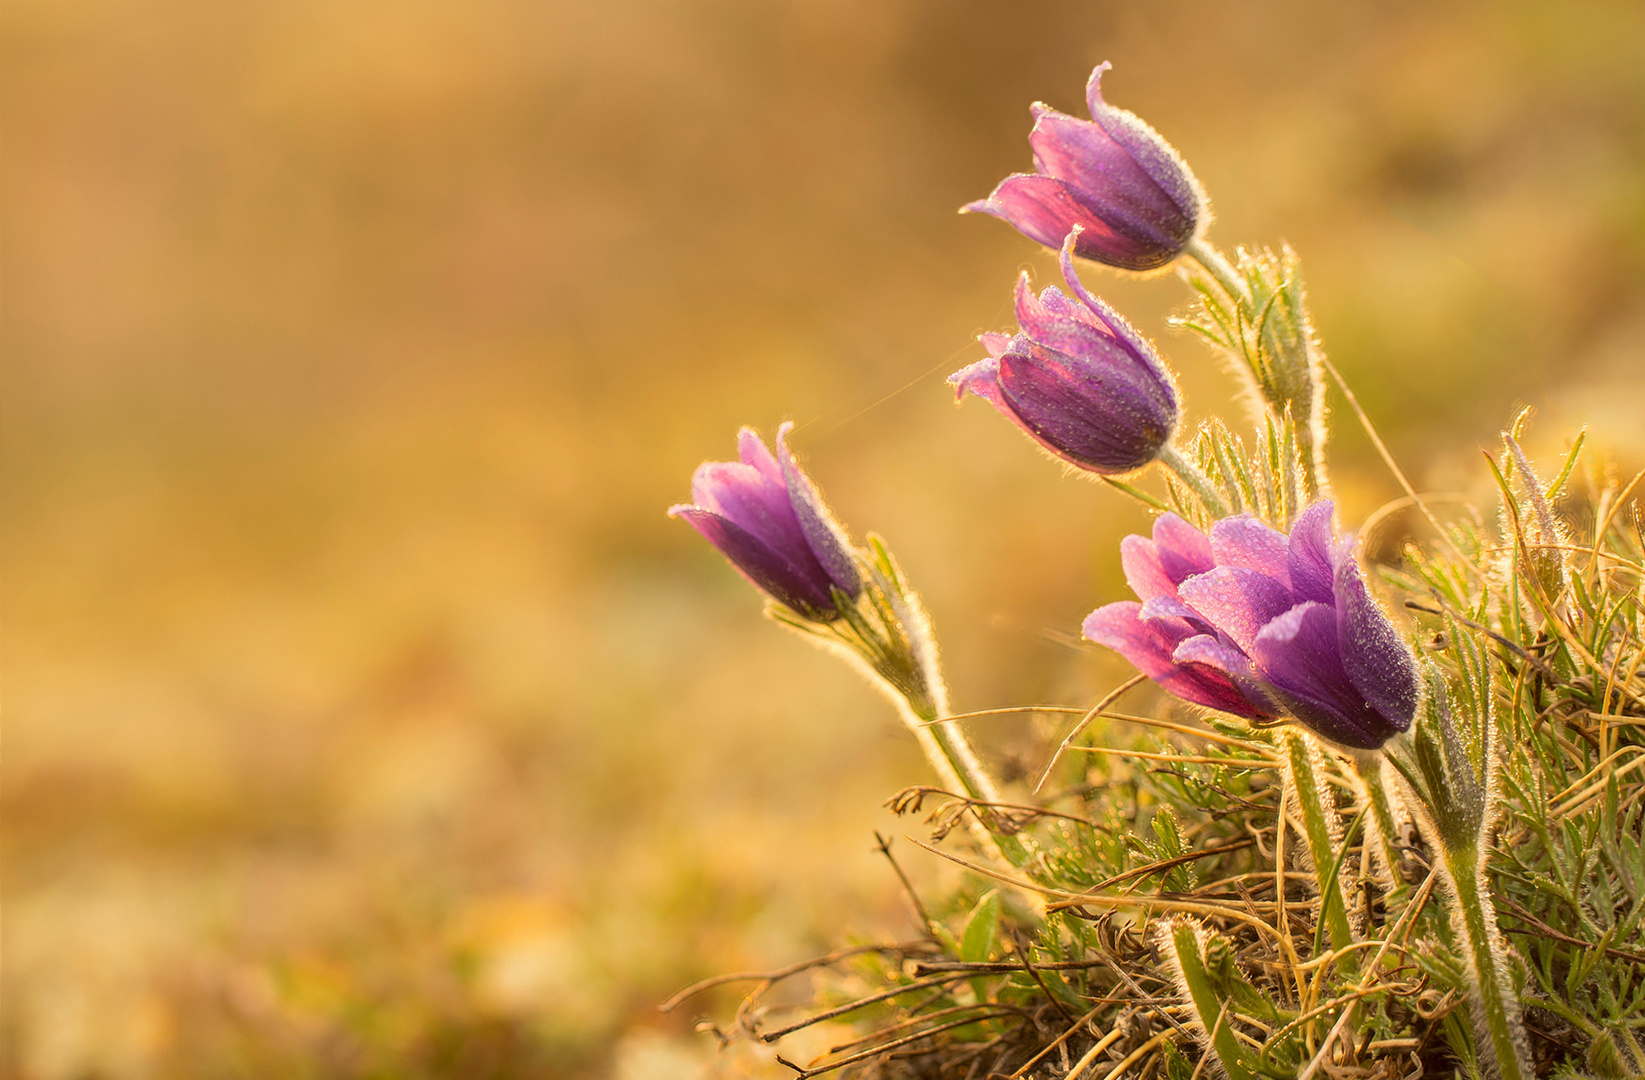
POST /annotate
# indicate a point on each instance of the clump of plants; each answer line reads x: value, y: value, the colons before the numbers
x: 1394, y: 826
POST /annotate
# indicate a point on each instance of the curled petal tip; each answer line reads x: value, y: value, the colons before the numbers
x: 1093, y: 86
x: 981, y: 378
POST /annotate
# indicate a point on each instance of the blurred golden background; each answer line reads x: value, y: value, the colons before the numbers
x: 364, y: 714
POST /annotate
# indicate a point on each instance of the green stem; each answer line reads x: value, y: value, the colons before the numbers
x: 1496, y: 1009
x: 1306, y: 785
x: 1198, y: 482
x: 956, y: 765
x: 1368, y: 767
x: 1216, y: 264
x: 1215, y: 1011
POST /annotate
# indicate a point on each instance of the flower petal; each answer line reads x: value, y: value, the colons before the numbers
x: 1245, y: 541
x: 1183, y: 549
x: 1237, y: 601
x: 1110, y: 419
x: 995, y: 343
x: 1149, y: 149
x: 1044, y: 208
x: 1309, y: 557
x: 765, y: 566
x: 982, y: 379
x: 823, y: 534
x: 1207, y: 651
x: 1110, y: 180
x: 1297, y: 656
x: 1149, y: 647
x: 752, y: 450
x: 1379, y: 665
x: 744, y: 494
x: 1170, y: 607
x: 1054, y: 322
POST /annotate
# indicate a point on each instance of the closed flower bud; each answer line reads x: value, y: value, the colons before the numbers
x: 1263, y: 625
x: 1077, y: 378
x: 1114, y: 175
x: 765, y: 516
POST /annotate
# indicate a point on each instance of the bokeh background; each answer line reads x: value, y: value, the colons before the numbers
x: 364, y: 714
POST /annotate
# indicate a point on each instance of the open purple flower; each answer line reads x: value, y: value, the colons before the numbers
x: 765, y: 515
x: 1113, y: 174
x: 1252, y: 622
x: 1077, y: 378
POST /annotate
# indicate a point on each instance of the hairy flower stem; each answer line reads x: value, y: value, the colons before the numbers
x: 957, y: 767
x: 1496, y: 1007
x: 1308, y: 788
x: 1222, y: 271
x: 1368, y: 768
x: 1197, y: 482
x: 1264, y: 328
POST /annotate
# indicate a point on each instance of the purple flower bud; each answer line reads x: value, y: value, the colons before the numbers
x: 1114, y: 175
x: 1256, y: 623
x: 765, y: 515
x: 1077, y: 378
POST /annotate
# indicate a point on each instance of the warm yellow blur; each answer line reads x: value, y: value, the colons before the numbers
x: 364, y: 714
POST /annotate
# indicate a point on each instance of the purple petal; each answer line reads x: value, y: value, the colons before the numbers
x: 1139, y: 558
x: 768, y: 568
x: 1237, y: 601
x: 743, y: 494
x: 1043, y: 208
x: 1180, y: 615
x: 823, y: 534
x: 1170, y: 607
x: 1110, y: 180
x: 1309, y: 554
x: 1207, y: 651
x: 1298, y: 657
x: 751, y: 449
x: 1149, y: 648
x: 1107, y: 418
x: 1183, y: 549
x: 1052, y: 321
x: 995, y: 343
x: 982, y: 379
x: 1152, y: 153
x: 1245, y: 541
x: 1378, y: 663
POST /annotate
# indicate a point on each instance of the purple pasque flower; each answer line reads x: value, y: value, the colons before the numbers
x: 766, y: 516
x: 1113, y: 174
x: 1077, y: 378
x: 1256, y: 623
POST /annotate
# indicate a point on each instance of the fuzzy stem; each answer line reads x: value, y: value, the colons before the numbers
x: 1172, y: 458
x: 1368, y: 767
x: 1305, y: 785
x: 956, y: 765
x: 1216, y: 264
x: 1215, y: 1014
x: 1496, y: 1010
